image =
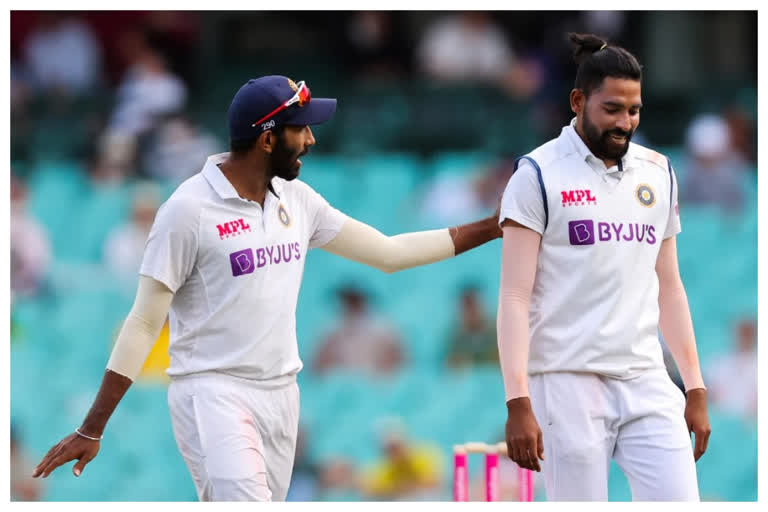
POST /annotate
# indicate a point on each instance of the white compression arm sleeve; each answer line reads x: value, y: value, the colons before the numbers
x: 141, y: 328
x: 362, y: 243
x: 675, y: 316
x: 519, y: 255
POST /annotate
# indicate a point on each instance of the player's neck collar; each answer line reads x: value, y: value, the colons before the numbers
x: 585, y: 153
x: 220, y: 184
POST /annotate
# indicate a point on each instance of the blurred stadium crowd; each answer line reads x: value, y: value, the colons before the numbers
x: 110, y: 111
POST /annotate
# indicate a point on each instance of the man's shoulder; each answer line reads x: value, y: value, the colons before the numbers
x: 189, y: 196
x: 650, y: 156
x: 551, y: 152
x: 296, y: 188
x: 291, y: 185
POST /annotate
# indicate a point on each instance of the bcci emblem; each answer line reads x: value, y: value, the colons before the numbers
x: 293, y: 85
x: 645, y: 195
x: 283, y: 214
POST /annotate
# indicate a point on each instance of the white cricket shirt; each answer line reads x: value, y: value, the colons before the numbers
x: 236, y: 271
x: 594, y: 306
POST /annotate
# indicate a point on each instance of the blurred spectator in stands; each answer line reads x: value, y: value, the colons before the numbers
x: 310, y: 480
x: 124, y: 246
x: 609, y: 25
x: 148, y: 91
x: 407, y: 471
x: 21, y: 122
x: 715, y: 173
x: 742, y: 131
x: 20, y: 88
x: 62, y: 55
x: 491, y: 183
x: 375, y: 46
x: 473, y: 340
x: 23, y: 486
x: 732, y: 379
x: 362, y: 341
x: 30, y: 247
x: 111, y: 161
x: 451, y: 199
x: 454, y: 198
x: 470, y: 47
x: 178, y: 149
x: 176, y: 35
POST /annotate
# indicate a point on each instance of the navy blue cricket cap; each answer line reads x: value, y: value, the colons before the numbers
x: 259, y: 106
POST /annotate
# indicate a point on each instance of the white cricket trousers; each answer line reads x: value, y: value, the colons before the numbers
x: 237, y: 438
x: 586, y: 419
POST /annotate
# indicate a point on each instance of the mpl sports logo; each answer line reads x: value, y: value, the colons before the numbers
x: 582, y: 232
x: 232, y: 228
x: 579, y: 197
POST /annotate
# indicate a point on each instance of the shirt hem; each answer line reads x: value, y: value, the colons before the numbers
x: 269, y: 383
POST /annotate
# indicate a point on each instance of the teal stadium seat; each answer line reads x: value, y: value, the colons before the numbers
x: 56, y: 189
x: 728, y: 471
x: 103, y: 209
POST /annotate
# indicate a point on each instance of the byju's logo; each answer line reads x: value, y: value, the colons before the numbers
x: 242, y: 262
x: 581, y: 232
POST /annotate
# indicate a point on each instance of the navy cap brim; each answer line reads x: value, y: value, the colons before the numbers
x: 318, y: 111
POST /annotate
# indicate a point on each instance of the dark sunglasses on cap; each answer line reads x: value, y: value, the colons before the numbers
x: 303, y: 96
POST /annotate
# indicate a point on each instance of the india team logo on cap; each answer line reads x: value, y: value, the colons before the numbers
x: 645, y: 195
x: 293, y: 85
x: 283, y: 214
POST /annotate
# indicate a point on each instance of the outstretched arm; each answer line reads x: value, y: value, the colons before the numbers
x: 135, y: 341
x: 362, y: 243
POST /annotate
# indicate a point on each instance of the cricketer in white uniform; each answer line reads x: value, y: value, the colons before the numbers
x: 224, y: 261
x: 589, y: 274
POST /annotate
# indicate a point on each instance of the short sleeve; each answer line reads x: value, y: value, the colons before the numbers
x: 673, y: 221
x: 171, y: 249
x: 325, y: 220
x: 522, y: 201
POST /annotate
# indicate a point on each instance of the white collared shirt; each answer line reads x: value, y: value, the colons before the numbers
x: 594, y: 306
x: 236, y: 270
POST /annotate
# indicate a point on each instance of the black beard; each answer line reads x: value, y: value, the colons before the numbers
x: 599, y: 143
x: 283, y: 161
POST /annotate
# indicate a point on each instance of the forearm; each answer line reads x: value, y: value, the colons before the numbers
x: 514, y: 345
x: 677, y: 329
x: 135, y: 341
x: 141, y: 328
x: 518, y: 270
x: 362, y: 243
x: 113, y: 387
x: 469, y: 236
